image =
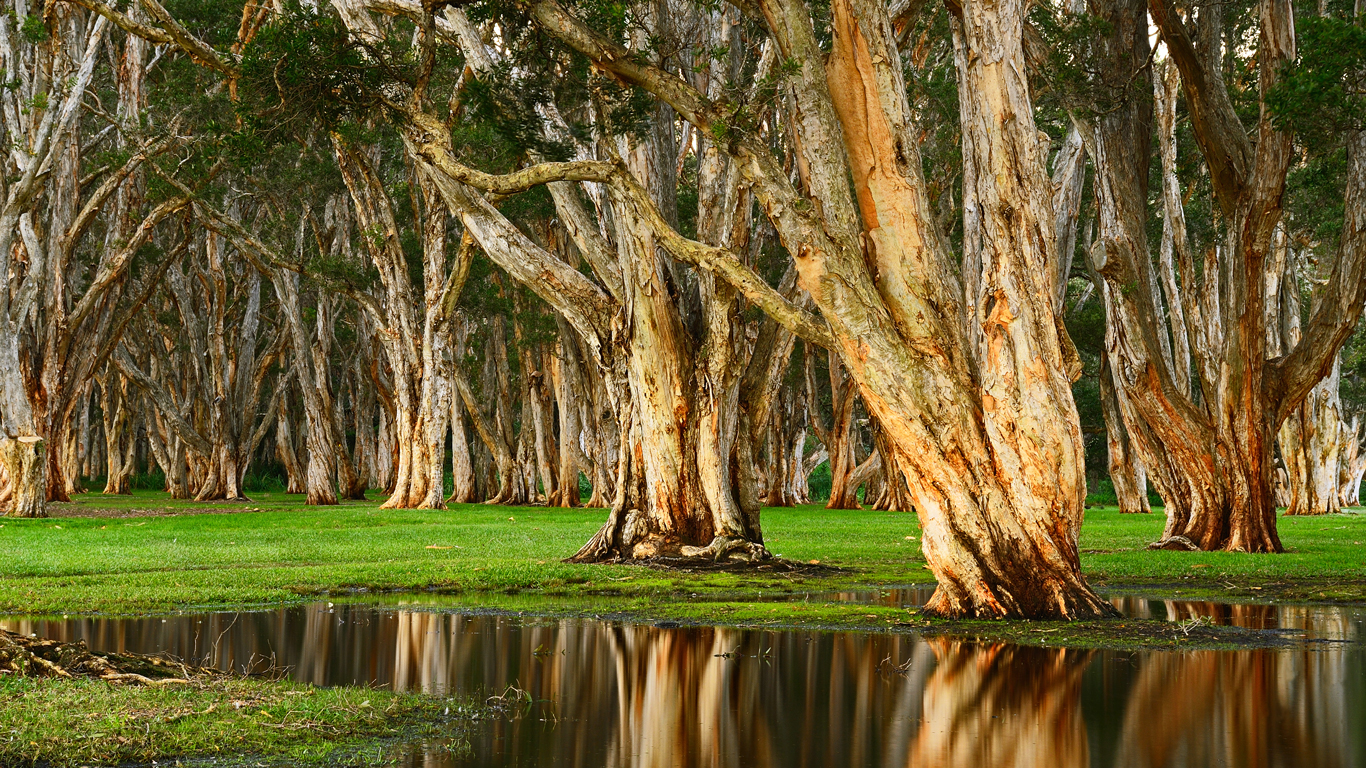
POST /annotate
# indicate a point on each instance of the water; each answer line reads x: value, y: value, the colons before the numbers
x: 637, y: 695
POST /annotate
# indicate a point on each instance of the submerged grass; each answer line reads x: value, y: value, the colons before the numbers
x: 65, y: 722
x: 147, y: 552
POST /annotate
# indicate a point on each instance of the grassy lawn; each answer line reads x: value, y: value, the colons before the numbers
x: 148, y: 553
x: 91, y: 722
x: 275, y: 550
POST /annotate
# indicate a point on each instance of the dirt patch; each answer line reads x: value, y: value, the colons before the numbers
x: 772, y: 566
x: 83, y: 510
x: 31, y: 656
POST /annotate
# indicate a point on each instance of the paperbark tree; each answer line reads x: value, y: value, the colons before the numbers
x: 676, y: 490
x: 1209, y: 454
x: 970, y: 381
x: 416, y: 345
x: 40, y: 120
x: 1126, y: 468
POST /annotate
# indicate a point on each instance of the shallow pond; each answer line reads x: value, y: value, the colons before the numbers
x: 619, y: 694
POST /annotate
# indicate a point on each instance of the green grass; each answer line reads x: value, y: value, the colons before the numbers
x: 275, y: 550
x: 84, y: 722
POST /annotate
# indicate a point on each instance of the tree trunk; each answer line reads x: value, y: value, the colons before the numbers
x: 687, y: 448
x: 25, y: 458
x: 285, y: 450
x: 974, y: 393
x: 1311, y: 448
x: 1352, y: 464
x: 319, y: 477
x: 569, y: 394
x: 22, y: 450
x: 117, y: 440
x: 1126, y: 468
x: 463, y: 488
x: 1212, y: 459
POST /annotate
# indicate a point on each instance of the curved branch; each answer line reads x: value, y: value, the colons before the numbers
x: 1335, y: 315
x: 724, y: 264
x: 110, y: 271
x: 267, y: 261
x: 170, y: 32
x: 1219, y: 132
x: 95, y: 203
x: 164, y: 403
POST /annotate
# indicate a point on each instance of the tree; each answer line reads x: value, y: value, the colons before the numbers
x: 1204, y: 430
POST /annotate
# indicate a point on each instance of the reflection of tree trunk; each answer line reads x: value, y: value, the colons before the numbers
x: 1001, y: 706
x: 1236, y: 708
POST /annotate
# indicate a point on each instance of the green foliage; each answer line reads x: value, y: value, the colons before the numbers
x: 33, y: 29
x: 1071, y: 78
x: 507, y: 98
x: 819, y: 482
x: 359, y: 274
x: 1314, y: 195
x: 306, y: 73
x: 541, y: 70
x: 216, y: 22
x: 1322, y: 94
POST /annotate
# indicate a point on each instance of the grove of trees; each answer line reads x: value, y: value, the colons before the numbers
x: 671, y: 258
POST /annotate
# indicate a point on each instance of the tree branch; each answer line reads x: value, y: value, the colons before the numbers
x: 163, y: 401
x: 1290, y: 378
x: 1220, y: 134
x: 723, y: 263
x: 170, y: 32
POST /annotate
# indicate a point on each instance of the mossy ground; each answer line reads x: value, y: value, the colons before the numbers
x: 146, y: 552
x: 61, y: 722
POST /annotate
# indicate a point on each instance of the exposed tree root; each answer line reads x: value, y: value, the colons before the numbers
x: 1175, y: 544
x: 632, y: 540
x: 772, y: 565
x: 39, y: 657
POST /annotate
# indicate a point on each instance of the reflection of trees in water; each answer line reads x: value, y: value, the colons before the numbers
x: 642, y: 697
x: 1002, y: 705
x: 638, y: 696
x: 1245, y: 708
x: 1313, y: 620
x: 314, y: 644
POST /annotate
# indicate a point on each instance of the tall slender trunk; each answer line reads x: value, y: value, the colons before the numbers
x: 463, y: 489
x: 117, y: 434
x: 285, y: 449
x: 319, y: 477
x: 1127, y: 474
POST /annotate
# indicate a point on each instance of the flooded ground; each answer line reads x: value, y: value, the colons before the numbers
x: 619, y: 694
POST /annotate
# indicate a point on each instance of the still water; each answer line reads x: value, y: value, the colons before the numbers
x: 640, y: 696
